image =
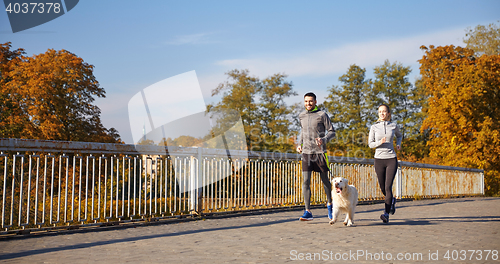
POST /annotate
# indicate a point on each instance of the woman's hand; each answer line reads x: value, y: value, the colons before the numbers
x: 383, y: 140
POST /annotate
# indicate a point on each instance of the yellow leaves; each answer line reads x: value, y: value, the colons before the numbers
x: 50, y: 93
x: 464, y: 113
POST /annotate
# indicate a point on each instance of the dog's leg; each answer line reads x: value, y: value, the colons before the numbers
x: 335, y: 215
x: 349, y: 217
x: 346, y: 221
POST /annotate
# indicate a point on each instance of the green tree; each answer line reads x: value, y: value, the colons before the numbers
x: 484, y: 39
x: 296, y: 109
x: 275, y: 114
x: 349, y: 108
x: 239, y: 93
x: 414, y: 146
x: 261, y: 105
x: 50, y: 96
x: 392, y: 87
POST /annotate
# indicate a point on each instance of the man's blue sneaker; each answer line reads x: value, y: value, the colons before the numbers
x: 306, y: 217
x: 330, y: 216
x: 393, y: 206
x: 385, y: 217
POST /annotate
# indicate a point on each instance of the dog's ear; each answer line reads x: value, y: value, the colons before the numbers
x: 346, y: 181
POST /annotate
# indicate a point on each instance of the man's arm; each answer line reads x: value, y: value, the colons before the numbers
x: 330, y: 131
x: 299, y: 147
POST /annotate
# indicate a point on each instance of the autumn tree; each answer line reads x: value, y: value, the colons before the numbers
x: 11, y: 120
x: 463, y: 115
x: 50, y: 96
x: 349, y: 110
x: 484, y: 39
x: 183, y: 141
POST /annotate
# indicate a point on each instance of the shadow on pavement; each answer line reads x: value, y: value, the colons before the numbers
x: 405, y: 204
x: 131, y: 239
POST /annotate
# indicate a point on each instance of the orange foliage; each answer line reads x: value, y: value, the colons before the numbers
x: 464, y: 109
x: 50, y: 96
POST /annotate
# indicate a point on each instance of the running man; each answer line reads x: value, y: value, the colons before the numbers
x: 317, y: 130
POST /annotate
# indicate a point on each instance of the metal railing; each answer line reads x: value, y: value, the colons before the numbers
x: 51, y: 184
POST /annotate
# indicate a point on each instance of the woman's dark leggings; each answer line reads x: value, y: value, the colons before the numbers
x: 386, y: 171
x: 306, y: 187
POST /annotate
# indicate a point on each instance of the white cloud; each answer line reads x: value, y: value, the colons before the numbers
x: 200, y: 38
x: 337, y: 59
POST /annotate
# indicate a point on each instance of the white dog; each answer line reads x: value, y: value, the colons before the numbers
x: 344, y: 198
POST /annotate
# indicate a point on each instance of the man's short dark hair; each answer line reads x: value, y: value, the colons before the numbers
x: 310, y: 94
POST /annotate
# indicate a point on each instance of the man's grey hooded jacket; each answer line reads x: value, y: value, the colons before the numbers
x: 315, y: 124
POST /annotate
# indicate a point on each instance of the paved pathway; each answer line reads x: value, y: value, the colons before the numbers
x: 419, y: 232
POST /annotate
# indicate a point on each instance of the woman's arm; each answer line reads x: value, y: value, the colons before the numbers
x: 371, y: 139
x: 399, y: 137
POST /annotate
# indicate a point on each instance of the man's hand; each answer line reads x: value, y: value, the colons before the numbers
x: 319, y: 141
x: 299, y: 148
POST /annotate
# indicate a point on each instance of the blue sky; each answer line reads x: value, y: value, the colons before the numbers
x: 134, y: 44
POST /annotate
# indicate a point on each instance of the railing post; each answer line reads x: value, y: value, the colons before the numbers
x: 191, y: 184
x: 200, y: 178
x: 195, y: 188
x: 482, y: 183
x: 399, y: 186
